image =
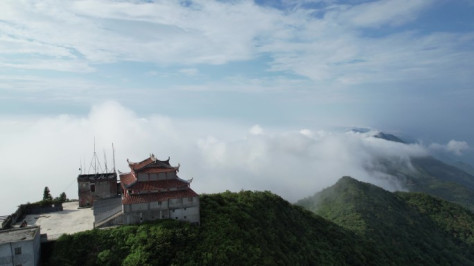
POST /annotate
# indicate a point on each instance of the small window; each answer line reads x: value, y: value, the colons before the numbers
x: 18, y: 251
x: 184, y: 217
x: 92, y: 188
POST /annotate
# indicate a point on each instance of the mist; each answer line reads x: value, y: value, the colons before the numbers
x: 218, y: 155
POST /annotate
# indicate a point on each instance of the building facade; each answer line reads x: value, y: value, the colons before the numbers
x: 20, y: 246
x: 152, y: 190
x: 95, y: 187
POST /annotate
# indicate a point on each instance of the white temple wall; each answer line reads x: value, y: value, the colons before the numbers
x: 187, y: 211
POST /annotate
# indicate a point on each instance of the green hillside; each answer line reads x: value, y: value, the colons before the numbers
x: 362, y: 225
x: 445, y: 181
x: 432, y: 176
x: 246, y: 228
x: 412, y: 228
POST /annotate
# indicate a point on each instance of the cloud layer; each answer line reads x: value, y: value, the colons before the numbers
x: 453, y: 146
x: 331, y: 44
x: 48, y: 151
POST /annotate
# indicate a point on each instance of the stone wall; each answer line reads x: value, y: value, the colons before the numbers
x: 105, y: 208
x: 184, y: 209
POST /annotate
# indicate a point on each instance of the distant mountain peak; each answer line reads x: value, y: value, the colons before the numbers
x: 388, y: 137
x: 377, y: 134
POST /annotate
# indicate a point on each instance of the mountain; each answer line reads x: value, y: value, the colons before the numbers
x: 464, y: 166
x: 440, y: 179
x: 414, y: 228
x: 246, y: 228
x: 388, y: 137
x: 360, y: 224
x: 434, y: 177
x: 430, y: 175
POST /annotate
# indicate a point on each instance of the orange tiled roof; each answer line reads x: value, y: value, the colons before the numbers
x: 127, y: 179
x: 151, y: 163
x: 154, y: 197
x: 136, y: 166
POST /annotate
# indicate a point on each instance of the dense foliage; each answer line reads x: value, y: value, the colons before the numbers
x: 431, y: 176
x: 362, y: 225
x: 246, y: 228
x: 445, y: 181
x: 408, y: 227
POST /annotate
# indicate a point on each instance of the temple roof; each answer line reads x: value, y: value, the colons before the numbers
x: 154, y: 197
x: 97, y: 177
x: 151, y: 162
x: 127, y: 179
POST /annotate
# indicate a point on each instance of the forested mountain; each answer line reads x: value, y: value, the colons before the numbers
x: 442, y: 180
x: 246, y: 228
x: 361, y: 224
x: 410, y: 228
x: 430, y: 175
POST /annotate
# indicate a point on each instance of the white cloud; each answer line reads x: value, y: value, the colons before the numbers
x: 189, y: 71
x: 453, y: 146
x: 331, y: 50
x: 256, y: 130
x: 48, y: 151
x: 109, y: 31
x: 380, y: 13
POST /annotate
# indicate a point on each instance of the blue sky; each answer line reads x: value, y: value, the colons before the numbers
x: 402, y: 66
x: 358, y: 62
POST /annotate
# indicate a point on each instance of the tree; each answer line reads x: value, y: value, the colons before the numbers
x: 63, y: 197
x: 46, y: 194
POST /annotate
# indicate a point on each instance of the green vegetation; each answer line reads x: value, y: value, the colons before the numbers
x: 362, y: 225
x: 411, y: 228
x: 47, y: 194
x: 431, y: 176
x: 452, y: 219
x: 48, y: 199
x: 246, y: 228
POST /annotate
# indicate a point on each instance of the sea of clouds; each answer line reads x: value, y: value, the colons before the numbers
x: 218, y: 155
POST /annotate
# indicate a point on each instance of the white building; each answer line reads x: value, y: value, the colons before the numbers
x: 20, y: 246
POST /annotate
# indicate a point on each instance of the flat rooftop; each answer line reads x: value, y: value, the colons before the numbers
x: 68, y: 221
x: 18, y: 234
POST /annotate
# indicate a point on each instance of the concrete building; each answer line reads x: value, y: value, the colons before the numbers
x: 95, y: 187
x: 20, y: 246
x: 152, y: 190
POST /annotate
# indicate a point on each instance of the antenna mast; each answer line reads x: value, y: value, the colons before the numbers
x: 113, y: 155
x: 105, y: 162
x: 94, y: 162
x: 95, y: 159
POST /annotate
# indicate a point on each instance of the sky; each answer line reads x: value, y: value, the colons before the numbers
x: 244, y: 94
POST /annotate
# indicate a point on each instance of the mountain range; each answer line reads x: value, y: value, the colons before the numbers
x: 432, y: 176
x: 414, y: 227
x: 348, y: 223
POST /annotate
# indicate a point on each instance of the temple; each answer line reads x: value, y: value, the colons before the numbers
x: 152, y: 190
